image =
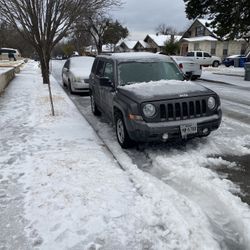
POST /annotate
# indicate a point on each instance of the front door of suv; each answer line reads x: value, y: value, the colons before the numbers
x: 107, y: 92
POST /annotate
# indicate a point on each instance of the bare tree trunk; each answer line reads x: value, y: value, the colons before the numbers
x: 45, y: 75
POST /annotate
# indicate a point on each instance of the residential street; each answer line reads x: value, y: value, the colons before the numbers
x: 65, y: 182
x: 190, y: 168
x: 236, y: 117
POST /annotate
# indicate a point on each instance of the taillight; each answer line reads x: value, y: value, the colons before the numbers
x: 180, y: 65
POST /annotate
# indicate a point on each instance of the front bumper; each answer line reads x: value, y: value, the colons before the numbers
x: 142, y: 131
x: 80, y: 87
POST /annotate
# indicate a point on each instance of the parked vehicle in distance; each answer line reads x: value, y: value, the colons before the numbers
x: 230, y: 60
x: 75, y: 74
x: 9, y: 54
x: 188, y: 66
x: 204, y: 58
x: 145, y: 96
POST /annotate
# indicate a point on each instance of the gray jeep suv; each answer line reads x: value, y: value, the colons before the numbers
x: 146, y: 97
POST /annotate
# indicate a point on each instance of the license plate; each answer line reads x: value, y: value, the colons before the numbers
x: 188, y: 129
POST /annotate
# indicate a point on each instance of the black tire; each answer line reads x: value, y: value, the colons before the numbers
x: 64, y: 84
x: 216, y: 64
x: 94, y: 108
x: 121, y: 132
x: 193, y: 78
x: 70, y: 88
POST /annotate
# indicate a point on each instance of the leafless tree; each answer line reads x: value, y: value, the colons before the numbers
x: 95, y: 25
x: 164, y: 29
x: 45, y: 22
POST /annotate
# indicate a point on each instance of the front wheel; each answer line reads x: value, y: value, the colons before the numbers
x: 121, y: 132
x: 70, y: 88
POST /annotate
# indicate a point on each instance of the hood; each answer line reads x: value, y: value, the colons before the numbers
x: 162, y: 90
x: 80, y: 74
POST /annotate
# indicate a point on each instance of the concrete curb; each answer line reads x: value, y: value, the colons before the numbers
x: 6, y: 77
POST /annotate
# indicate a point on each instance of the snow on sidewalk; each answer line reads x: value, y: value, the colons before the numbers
x: 231, y: 75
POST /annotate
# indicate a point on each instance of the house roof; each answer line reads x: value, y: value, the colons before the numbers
x: 200, y: 38
x: 161, y: 39
x: 129, y: 43
x: 143, y: 44
x: 204, y: 22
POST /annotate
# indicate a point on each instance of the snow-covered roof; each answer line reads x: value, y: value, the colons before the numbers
x: 161, y: 39
x: 129, y: 43
x: 200, y: 38
x: 204, y: 22
x: 143, y: 44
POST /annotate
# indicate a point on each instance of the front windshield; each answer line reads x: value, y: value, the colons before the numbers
x: 136, y: 72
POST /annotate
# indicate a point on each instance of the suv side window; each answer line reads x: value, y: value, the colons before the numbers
x: 108, y: 71
x: 100, y: 67
x: 94, y: 66
x: 199, y: 54
x: 190, y: 54
x: 206, y: 54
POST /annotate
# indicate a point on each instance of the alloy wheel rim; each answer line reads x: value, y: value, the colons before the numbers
x: 120, y: 130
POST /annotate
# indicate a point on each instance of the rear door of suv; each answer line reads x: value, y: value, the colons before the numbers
x: 108, y: 92
x: 96, y: 74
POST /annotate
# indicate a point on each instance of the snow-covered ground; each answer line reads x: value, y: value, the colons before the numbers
x: 63, y: 187
x: 5, y: 69
x: 225, y: 70
x: 190, y: 171
x: 229, y: 75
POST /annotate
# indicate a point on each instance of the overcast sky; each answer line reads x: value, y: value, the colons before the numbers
x: 142, y: 17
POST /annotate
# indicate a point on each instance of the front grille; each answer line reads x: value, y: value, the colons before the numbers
x: 181, y: 109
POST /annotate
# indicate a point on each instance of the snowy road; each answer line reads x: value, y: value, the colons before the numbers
x: 235, y: 99
x: 198, y: 170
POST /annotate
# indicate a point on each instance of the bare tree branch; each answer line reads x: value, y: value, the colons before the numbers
x: 45, y: 22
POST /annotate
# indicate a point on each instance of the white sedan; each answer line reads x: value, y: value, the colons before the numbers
x: 75, y: 74
x: 188, y: 66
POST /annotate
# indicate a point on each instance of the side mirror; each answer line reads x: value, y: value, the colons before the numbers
x: 105, y: 82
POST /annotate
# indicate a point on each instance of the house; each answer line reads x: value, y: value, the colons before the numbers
x: 142, y: 46
x: 156, y: 43
x: 125, y: 46
x: 200, y: 37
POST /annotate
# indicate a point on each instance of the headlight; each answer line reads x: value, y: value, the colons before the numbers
x: 149, y: 110
x: 211, y: 103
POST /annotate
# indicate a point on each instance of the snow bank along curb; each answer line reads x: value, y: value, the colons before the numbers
x: 5, y: 78
x: 8, y: 69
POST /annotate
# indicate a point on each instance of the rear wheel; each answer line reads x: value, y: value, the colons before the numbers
x: 193, y: 78
x: 121, y: 132
x: 94, y: 108
x: 216, y: 64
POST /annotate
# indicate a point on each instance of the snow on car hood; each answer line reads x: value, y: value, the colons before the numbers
x: 164, y: 89
x: 80, y: 73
